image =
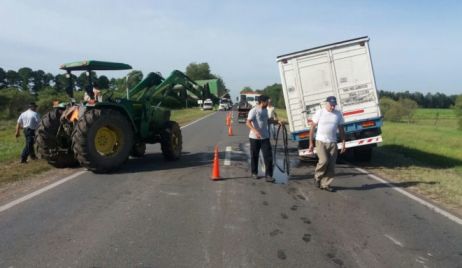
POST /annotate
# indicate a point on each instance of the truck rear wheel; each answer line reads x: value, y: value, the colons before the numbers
x: 102, y: 140
x: 57, y: 150
x: 171, y: 141
x: 363, y: 153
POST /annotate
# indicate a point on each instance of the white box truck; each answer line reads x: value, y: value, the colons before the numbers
x: 344, y: 70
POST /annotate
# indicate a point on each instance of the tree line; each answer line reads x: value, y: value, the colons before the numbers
x: 429, y: 100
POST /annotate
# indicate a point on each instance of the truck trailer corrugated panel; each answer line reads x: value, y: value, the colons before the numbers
x: 342, y: 69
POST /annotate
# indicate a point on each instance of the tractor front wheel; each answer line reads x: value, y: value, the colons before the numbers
x: 171, y: 141
x: 54, y: 145
x: 102, y: 140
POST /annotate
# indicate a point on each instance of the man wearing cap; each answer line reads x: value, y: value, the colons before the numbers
x: 29, y: 121
x: 258, y: 121
x: 327, y: 121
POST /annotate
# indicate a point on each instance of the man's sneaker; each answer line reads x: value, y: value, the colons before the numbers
x: 255, y: 176
x: 269, y: 179
x: 23, y: 161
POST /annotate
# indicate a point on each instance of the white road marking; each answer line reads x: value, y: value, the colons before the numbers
x: 40, y: 191
x: 415, y: 198
x: 395, y: 241
x: 170, y: 193
x: 228, y: 156
x: 61, y: 181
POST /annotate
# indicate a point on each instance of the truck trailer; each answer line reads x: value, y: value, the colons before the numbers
x: 344, y: 70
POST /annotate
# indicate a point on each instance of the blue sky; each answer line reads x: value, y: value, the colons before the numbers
x: 415, y: 44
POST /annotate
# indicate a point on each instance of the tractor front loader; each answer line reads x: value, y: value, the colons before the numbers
x: 101, y: 135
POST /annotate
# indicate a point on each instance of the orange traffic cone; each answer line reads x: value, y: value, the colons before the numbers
x: 228, y: 120
x: 230, y: 130
x: 216, y: 166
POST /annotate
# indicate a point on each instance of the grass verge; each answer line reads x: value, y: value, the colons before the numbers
x: 10, y: 148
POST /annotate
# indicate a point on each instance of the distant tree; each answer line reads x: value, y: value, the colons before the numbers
x: 274, y: 91
x: 60, y: 82
x: 2, y: 78
x: 103, y: 82
x: 407, y: 108
x: 12, y: 78
x: 113, y: 84
x: 247, y: 89
x: 134, y: 77
x: 38, y: 78
x: 83, y: 81
x: 25, y: 75
x: 199, y: 71
x: 47, y: 79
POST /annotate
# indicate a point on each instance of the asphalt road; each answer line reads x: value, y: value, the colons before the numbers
x: 153, y: 213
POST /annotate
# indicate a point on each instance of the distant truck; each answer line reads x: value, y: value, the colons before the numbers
x: 243, y: 108
x: 251, y: 98
x: 343, y: 69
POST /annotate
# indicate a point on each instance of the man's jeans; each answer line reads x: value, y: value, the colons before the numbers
x: 29, y: 134
x: 265, y: 146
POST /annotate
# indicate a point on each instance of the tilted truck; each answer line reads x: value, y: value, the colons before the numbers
x: 344, y: 70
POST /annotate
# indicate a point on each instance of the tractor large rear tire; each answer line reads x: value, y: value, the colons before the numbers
x: 56, y: 150
x: 102, y: 140
x: 171, y: 141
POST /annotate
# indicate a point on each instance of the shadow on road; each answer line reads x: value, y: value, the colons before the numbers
x: 156, y: 161
x: 373, y: 186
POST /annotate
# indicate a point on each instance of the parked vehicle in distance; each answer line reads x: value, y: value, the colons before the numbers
x: 344, y: 70
x: 207, y: 105
x: 243, y: 109
x: 224, y: 105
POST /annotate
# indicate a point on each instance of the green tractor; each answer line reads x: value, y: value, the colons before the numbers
x: 101, y: 134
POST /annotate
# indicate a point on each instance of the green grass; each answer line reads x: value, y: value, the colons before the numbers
x: 426, y: 153
x: 281, y: 113
x: 10, y: 147
x: 185, y: 116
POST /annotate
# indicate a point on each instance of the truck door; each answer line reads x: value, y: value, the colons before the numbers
x: 355, y: 81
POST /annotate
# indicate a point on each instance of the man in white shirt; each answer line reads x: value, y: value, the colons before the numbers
x: 327, y: 121
x: 29, y: 121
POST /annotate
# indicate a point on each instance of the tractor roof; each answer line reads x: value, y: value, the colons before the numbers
x: 94, y: 65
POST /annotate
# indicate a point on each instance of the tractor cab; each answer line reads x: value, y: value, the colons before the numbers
x: 88, y: 66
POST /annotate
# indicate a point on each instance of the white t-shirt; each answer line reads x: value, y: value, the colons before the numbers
x: 259, y: 119
x: 328, y: 123
x: 271, y: 113
x: 29, y: 119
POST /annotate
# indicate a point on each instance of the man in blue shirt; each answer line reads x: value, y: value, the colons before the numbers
x: 258, y: 121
